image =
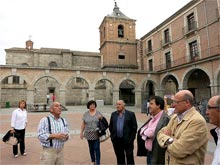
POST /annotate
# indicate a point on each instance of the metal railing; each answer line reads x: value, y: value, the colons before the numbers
x: 190, y: 59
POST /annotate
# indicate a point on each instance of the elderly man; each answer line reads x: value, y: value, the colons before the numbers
x: 186, y: 135
x: 123, y: 128
x: 213, y: 112
x: 53, y: 133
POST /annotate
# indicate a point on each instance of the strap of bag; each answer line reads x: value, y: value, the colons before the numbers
x: 49, y: 125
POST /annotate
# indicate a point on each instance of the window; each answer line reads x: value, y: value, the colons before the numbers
x: 120, y: 31
x: 150, y: 63
x: 166, y: 36
x: 149, y: 45
x: 121, y: 57
x: 168, y: 59
x: 191, y: 22
x: 193, y: 49
x: 15, y: 80
x: 53, y: 65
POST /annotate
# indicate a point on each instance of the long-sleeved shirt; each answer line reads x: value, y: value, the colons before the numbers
x: 147, y: 132
x: 19, y: 119
x: 57, y: 126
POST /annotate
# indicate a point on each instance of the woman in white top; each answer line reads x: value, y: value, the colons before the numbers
x: 18, y: 125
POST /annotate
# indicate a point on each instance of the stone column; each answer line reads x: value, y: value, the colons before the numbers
x: 214, y: 89
x: 91, y: 94
x: 30, y: 96
x: 115, y: 96
x: 62, y: 97
x: 84, y: 97
x: 159, y: 92
x: 10, y: 80
x: 138, y: 98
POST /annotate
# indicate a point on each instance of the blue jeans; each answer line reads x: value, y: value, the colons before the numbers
x: 94, y: 150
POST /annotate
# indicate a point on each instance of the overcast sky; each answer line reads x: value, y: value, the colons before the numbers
x: 73, y: 24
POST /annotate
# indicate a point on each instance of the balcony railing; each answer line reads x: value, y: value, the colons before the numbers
x: 189, y: 59
x: 192, y: 27
x: 148, y: 51
x: 165, y: 41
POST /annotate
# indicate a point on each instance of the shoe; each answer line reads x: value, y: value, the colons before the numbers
x: 15, y: 156
x: 92, y: 163
x: 24, y: 154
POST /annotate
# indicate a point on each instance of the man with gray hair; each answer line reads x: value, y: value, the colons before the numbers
x: 52, y: 134
x: 213, y: 112
x: 186, y: 135
x: 123, y: 128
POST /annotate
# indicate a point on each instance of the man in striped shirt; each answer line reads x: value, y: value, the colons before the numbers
x: 53, y: 132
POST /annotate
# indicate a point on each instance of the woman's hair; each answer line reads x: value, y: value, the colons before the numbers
x: 25, y: 105
x: 91, y: 102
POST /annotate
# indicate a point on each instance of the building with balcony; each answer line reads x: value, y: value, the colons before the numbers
x: 182, y: 52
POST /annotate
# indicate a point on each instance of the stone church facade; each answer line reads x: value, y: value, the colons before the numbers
x: 183, y: 52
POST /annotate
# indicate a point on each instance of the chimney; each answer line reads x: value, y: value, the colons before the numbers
x: 29, y: 45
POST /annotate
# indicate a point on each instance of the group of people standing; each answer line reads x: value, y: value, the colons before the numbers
x: 179, y: 139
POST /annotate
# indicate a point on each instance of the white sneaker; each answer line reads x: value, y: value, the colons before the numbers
x: 24, y: 154
x: 16, y: 156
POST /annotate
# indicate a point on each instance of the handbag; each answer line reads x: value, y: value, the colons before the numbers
x: 12, y: 140
x: 105, y: 136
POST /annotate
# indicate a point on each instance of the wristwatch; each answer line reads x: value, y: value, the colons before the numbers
x: 169, y: 141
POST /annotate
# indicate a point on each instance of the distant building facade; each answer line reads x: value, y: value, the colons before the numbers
x: 183, y: 52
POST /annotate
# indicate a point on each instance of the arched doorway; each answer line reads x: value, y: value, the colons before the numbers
x: 170, y: 85
x: 148, y: 90
x: 103, y: 91
x: 77, y: 91
x: 126, y: 92
x: 199, y: 84
x: 43, y: 86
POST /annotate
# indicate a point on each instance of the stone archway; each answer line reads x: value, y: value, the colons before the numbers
x: 77, y: 91
x: 103, y: 91
x: 13, y: 89
x: 148, y: 90
x: 170, y: 85
x: 126, y: 92
x: 43, y: 86
x: 198, y: 82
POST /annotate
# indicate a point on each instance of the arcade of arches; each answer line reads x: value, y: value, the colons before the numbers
x: 77, y: 87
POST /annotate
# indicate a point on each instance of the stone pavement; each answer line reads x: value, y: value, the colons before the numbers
x: 76, y: 150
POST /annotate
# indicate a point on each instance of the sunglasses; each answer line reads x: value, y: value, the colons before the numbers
x: 210, y: 107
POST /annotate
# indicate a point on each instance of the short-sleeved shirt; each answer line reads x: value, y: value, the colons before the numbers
x: 91, y: 122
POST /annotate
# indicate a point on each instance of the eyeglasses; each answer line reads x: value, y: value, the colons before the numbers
x: 210, y: 107
x: 177, y: 102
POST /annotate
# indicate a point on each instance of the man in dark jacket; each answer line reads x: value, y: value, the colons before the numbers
x: 147, y: 134
x: 123, y: 128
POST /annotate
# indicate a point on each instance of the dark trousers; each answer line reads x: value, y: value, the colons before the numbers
x: 21, y: 142
x: 123, y: 152
x: 149, y: 157
x: 94, y: 150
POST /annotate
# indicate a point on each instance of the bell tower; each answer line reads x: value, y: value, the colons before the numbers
x: 118, y: 44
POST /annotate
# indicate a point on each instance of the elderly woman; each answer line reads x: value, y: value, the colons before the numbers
x: 89, y: 131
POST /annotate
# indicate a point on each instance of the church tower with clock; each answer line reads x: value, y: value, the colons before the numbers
x: 118, y: 44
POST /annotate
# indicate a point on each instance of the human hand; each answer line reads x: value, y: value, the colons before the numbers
x: 81, y: 136
x: 99, y: 117
x: 12, y: 130
x: 167, y: 132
